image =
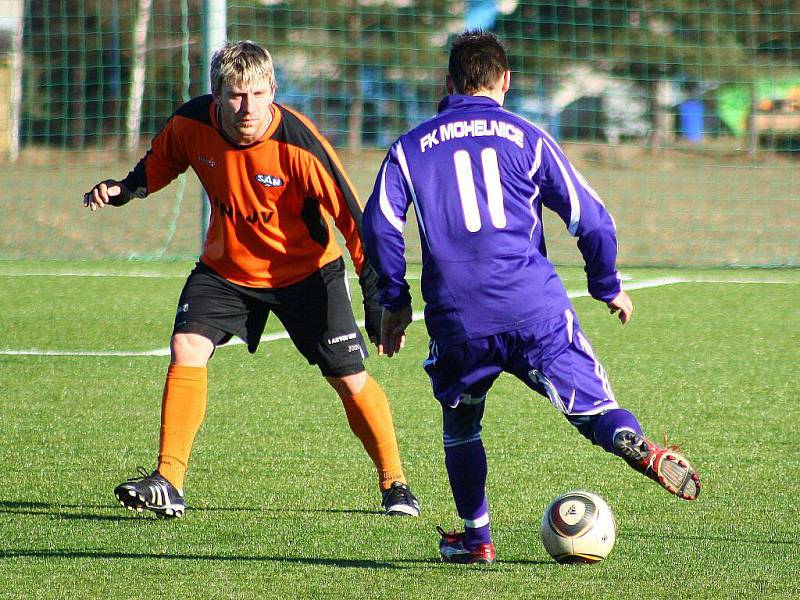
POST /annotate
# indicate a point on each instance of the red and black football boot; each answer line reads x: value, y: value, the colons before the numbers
x: 666, y: 466
x: 452, y: 550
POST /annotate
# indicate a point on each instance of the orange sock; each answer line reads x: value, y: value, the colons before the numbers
x: 182, y: 411
x: 370, y: 419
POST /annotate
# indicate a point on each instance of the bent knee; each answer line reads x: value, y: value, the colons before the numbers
x: 348, y: 385
x: 191, y: 349
x: 462, y: 424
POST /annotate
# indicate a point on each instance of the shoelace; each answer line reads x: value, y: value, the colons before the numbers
x: 666, y: 446
x: 398, y: 492
x: 452, y: 536
x: 402, y: 491
x: 673, y: 447
x: 143, y: 474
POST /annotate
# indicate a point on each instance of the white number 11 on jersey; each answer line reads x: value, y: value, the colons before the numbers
x: 466, y: 188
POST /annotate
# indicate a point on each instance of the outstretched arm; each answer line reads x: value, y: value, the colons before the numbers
x: 158, y: 167
x: 108, y: 191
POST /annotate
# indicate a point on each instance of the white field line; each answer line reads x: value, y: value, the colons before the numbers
x: 157, y: 352
x: 417, y: 316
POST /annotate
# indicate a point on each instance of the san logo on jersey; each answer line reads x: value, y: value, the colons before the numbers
x: 269, y: 180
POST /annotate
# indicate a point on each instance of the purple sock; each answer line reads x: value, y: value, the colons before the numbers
x: 608, y: 424
x: 466, y: 468
x: 475, y: 536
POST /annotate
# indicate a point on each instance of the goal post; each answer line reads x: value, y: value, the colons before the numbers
x: 215, y: 22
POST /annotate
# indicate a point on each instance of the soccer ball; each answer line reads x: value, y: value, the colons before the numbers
x: 578, y: 527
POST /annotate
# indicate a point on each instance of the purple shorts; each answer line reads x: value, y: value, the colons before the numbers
x: 553, y: 357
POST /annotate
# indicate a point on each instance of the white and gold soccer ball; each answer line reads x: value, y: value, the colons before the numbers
x: 578, y: 527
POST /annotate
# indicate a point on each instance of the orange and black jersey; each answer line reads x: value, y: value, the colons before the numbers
x: 271, y: 202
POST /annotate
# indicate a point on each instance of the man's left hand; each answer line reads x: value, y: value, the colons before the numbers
x: 623, y: 305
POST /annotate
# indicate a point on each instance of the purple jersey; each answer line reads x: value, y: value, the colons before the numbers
x: 478, y: 176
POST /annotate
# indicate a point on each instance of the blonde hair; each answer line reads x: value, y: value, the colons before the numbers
x: 241, y: 63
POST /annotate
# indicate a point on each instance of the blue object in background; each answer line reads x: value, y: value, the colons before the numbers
x: 480, y: 14
x: 691, y: 114
x: 555, y: 126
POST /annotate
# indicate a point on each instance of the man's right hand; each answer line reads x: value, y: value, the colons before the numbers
x: 106, y: 192
x: 393, y: 330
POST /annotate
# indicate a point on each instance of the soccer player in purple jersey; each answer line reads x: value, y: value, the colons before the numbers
x: 477, y: 176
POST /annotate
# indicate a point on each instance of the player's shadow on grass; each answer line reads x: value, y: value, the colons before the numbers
x: 272, y: 509
x: 62, y: 510
x: 325, y: 562
x: 402, y: 564
x: 58, y: 510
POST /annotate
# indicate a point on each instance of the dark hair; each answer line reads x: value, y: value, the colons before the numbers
x: 477, y: 61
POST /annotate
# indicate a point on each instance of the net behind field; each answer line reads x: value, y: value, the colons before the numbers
x: 618, y: 87
x: 675, y: 209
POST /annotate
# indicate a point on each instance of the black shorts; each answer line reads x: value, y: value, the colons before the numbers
x: 316, y: 313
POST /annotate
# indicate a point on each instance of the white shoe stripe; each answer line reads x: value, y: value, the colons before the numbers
x: 403, y: 508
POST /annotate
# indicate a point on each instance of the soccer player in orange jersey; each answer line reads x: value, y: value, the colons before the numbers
x: 274, y: 184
